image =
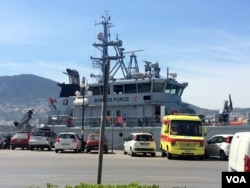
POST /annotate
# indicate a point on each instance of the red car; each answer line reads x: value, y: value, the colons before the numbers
x: 92, y: 143
x: 20, y: 140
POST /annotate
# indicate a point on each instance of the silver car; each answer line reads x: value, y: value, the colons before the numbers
x: 218, y: 146
x: 41, y: 139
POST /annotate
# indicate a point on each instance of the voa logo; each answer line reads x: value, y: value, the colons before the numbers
x: 236, y: 179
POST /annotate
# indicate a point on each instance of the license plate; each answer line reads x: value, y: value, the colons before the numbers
x: 65, y: 144
x: 144, y: 144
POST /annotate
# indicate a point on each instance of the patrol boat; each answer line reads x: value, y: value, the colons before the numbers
x: 136, y: 99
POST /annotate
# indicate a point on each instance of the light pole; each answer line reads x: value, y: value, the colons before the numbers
x: 82, y: 86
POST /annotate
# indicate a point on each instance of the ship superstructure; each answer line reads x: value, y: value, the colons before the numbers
x: 135, y: 99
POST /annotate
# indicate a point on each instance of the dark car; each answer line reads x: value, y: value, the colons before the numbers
x: 92, y: 143
x: 20, y: 140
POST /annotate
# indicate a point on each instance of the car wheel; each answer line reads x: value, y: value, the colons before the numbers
x: 169, y: 155
x: 132, y: 153
x: 12, y: 147
x: 201, y: 157
x: 206, y: 154
x: 56, y: 151
x: 50, y: 147
x: 222, y: 155
x: 124, y: 152
x: 163, y: 154
x: 31, y: 148
x: 152, y: 154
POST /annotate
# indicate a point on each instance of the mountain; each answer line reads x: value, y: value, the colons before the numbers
x: 20, y: 93
x: 26, y: 89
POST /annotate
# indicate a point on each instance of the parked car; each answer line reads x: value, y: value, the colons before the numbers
x: 20, y: 140
x: 218, y: 146
x: 68, y: 141
x: 239, y: 158
x: 42, y: 138
x: 92, y: 143
x: 136, y: 143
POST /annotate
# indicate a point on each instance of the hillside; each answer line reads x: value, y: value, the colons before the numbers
x: 20, y: 93
x: 26, y: 89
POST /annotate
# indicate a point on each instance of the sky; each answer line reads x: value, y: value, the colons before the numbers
x: 206, y: 43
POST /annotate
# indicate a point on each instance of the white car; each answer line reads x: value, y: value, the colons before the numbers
x: 218, y: 146
x: 68, y: 141
x: 139, y: 143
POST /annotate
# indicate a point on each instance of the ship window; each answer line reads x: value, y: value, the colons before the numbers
x: 144, y: 87
x: 103, y: 91
x: 118, y: 113
x: 158, y: 87
x: 95, y: 90
x: 179, y: 91
x: 174, y: 90
x: 168, y: 88
x: 118, y: 89
x: 130, y: 88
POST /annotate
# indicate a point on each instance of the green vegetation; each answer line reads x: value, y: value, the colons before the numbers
x: 84, y: 185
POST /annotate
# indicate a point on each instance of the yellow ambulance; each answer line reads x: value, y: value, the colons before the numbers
x: 182, y: 135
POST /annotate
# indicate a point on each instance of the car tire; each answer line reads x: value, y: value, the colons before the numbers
x: 152, y: 154
x: 163, y: 154
x: 31, y: 148
x: 206, y: 155
x: 56, y: 151
x: 201, y: 158
x: 222, y: 155
x: 169, y: 155
x: 124, y: 152
x: 132, y: 153
x: 50, y: 147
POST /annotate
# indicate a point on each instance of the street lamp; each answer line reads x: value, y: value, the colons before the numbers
x: 83, y: 86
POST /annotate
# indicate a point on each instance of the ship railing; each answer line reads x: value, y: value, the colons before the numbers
x: 111, y: 121
x: 129, y: 121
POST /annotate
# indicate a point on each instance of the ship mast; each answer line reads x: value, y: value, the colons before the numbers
x: 116, y: 58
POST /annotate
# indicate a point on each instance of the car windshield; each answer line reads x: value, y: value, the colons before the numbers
x: 186, y: 128
x: 144, y: 137
x: 21, y: 135
x: 67, y: 136
x: 39, y: 134
x: 94, y: 137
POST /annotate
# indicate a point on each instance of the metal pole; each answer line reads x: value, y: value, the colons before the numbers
x: 83, y: 93
x: 112, y: 132
x: 103, y: 120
